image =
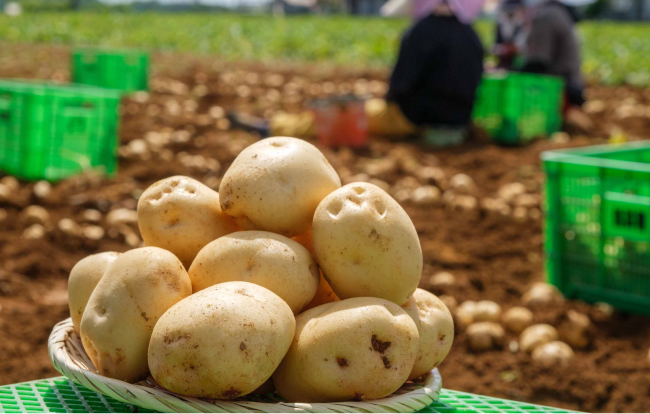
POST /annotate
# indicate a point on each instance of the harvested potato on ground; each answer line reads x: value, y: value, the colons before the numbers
x: 462, y: 184
x: 517, y: 319
x: 442, y: 279
x: 276, y: 185
x: 267, y: 259
x: 355, y: 349
x: 483, y: 336
x: 366, y: 244
x: 542, y: 294
x: 436, y: 329
x: 84, y: 277
x: 575, y: 330
x: 324, y: 294
x: 537, y: 335
x: 464, y: 314
x: 182, y: 215
x: 137, y: 288
x: 487, y: 311
x: 553, y: 354
x: 222, y: 342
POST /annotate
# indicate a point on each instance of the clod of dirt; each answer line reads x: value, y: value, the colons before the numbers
x: 3, y: 214
x: 520, y: 214
x: 553, y: 353
x: 537, y: 335
x: 442, y: 279
x: 34, y: 215
x: 517, y: 319
x: 487, y: 311
x: 575, y: 329
x: 483, y: 336
x: 426, y: 195
x: 542, y: 294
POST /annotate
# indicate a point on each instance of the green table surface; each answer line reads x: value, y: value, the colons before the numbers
x: 60, y: 395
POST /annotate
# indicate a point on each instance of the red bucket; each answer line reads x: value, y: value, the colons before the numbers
x: 341, y: 122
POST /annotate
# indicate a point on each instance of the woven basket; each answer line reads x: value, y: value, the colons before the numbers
x: 70, y: 359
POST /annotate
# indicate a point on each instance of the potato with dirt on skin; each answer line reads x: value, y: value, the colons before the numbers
x: 366, y: 244
x: 182, y: 215
x: 354, y: 349
x: 222, y: 342
x: 267, y: 259
x: 84, y: 277
x: 436, y: 329
x: 136, y: 290
x: 276, y: 184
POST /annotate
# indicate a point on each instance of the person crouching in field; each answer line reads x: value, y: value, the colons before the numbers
x: 433, y: 85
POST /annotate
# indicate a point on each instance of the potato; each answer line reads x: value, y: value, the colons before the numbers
x: 135, y: 291
x: 276, y: 262
x: 366, y: 244
x: 182, y: 215
x: 222, y: 342
x: 276, y: 185
x: 82, y: 281
x: 517, y: 319
x: 483, y: 336
x: 436, y: 329
x: 537, y: 335
x: 553, y: 354
x: 324, y: 294
x: 354, y: 349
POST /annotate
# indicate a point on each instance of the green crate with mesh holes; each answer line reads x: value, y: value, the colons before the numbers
x: 597, y: 233
x: 61, y: 395
x: 514, y: 108
x: 50, y: 131
x: 125, y: 70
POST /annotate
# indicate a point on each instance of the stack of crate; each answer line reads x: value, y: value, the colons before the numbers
x: 50, y: 131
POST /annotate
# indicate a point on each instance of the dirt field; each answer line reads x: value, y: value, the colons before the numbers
x: 493, y: 256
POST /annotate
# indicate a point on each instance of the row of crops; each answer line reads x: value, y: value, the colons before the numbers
x: 612, y: 52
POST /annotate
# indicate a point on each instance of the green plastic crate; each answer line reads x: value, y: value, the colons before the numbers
x: 514, y: 108
x: 61, y: 395
x: 598, y: 224
x: 122, y: 70
x: 50, y: 131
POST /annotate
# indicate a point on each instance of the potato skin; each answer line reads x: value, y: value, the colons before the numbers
x: 276, y: 184
x: 222, y: 342
x: 354, y: 349
x: 182, y: 215
x: 267, y: 259
x: 366, y: 244
x: 436, y: 328
x: 84, y: 277
x: 133, y: 294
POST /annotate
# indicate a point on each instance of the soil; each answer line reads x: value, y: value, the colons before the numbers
x: 492, y: 256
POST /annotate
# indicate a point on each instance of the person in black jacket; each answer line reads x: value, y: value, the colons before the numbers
x: 433, y: 83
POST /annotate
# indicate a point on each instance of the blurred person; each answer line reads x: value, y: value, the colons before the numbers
x: 511, y: 32
x: 433, y: 84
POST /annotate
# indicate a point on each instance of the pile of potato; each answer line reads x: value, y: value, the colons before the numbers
x: 284, y: 280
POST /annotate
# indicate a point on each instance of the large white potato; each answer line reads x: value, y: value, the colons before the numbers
x: 267, y: 259
x: 276, y: 185
x: 436, y: 327
x: 366, y: 244
x: 84, y: 276
x: 354, y: 349
x: 182, y: 215
x: 133, y: 294
x: 222, y: 342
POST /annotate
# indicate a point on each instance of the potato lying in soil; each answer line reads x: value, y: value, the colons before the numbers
x: 276, y: 262
x: 222, y: 342
x: 182, y: 215
x: 436, y: 329
x: 354, y: 349
x: 366, y: 244
x: 276, y: 185
x: 85, y: 275
x: 135, y: 291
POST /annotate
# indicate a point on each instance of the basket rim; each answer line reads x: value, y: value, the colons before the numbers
x: 63, y: 341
